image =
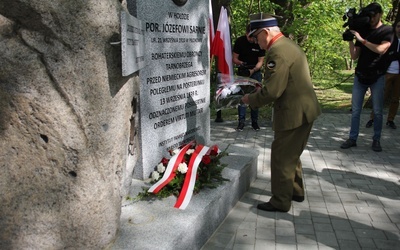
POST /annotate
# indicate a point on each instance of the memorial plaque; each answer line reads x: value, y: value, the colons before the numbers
x: 174, y: 84
x: 132, y: 44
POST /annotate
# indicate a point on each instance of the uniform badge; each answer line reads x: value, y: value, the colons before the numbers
x: 271, y: 65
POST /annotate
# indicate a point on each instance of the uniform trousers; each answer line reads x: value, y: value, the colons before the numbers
x: 286, y: 168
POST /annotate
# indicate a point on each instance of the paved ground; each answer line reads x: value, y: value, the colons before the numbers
x: 352, y: 196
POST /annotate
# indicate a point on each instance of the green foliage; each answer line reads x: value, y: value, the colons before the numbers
x: 240, y: 10
x: 316, y: 25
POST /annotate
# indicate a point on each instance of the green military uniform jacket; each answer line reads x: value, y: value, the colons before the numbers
x: 287, y: 83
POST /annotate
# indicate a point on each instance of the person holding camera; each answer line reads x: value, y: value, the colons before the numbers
x: 288, y: 85
x: 369, y: 47
x: 250, y: 58
x: 392, y: 79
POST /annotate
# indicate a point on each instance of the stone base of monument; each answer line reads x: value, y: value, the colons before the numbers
x: 156, y: 224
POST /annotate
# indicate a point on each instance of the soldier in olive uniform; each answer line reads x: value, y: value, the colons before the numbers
x: 287, y: 83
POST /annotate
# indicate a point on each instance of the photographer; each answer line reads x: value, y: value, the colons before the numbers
x: 250, y: 58
x: 369, y: 47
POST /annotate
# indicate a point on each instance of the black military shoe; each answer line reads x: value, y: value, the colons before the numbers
x: 298, y: 198
x: 267, y: 206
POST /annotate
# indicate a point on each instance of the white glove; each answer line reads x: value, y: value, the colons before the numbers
x: 235, y: 89
x: 225, y: 92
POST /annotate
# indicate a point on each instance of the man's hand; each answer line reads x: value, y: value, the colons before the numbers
x: 357, y: 35
x: 251, y: 71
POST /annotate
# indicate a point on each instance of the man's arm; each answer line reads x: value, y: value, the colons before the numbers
x: 354, y: 51
x: 258, y: 66
x: 235, y: 59
x: 377, y: 48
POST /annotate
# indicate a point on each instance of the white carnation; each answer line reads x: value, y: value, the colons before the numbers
x: 155, y: 175
x: 175, y: 151
x: 160, y: 168
x: 189, y: 151
x: 182, y: 168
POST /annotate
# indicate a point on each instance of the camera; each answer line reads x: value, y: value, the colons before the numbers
x: 356, y: 21
x: 244, y: 69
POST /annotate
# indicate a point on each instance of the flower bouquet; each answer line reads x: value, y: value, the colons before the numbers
x: 190, y: 169
x: 231, y: 89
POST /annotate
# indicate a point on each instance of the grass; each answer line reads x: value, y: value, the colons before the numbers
x: 334, y: 94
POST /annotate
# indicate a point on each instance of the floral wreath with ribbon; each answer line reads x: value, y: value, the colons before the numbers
x: 190, y: 169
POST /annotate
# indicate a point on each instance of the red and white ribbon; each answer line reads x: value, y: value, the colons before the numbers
x: 170, y: 170
x: 190, y: 179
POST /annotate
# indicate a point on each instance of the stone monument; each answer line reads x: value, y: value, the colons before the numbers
x: 68, y: 111
x: 65, y: 123
x: 174, y: 84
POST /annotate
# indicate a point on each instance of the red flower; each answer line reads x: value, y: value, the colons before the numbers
x: 206, y: 159
x: 164, y: 161
x: 214, y: 150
